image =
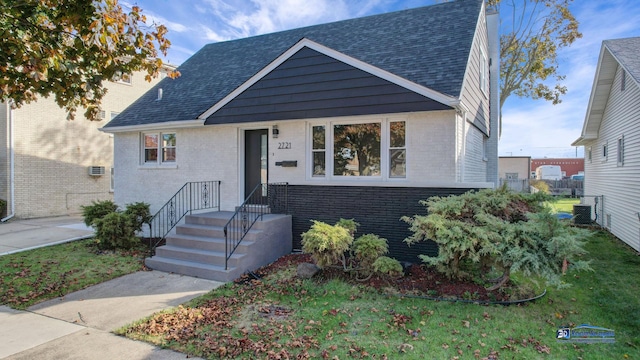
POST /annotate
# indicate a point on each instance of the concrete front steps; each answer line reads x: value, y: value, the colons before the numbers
x: 198, y: 247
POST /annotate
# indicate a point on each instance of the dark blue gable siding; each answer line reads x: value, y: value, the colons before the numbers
x: 312, y: 85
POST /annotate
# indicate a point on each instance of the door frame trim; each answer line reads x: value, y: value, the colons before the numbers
x: 242, y: 152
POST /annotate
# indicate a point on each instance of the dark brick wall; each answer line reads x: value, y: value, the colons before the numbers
x: 377, y: 209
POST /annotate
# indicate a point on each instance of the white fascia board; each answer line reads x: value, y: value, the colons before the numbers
x: 409, y: 85
x: 154, y: 126
x: 596, y: 78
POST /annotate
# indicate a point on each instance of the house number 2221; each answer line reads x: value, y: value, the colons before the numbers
x: 284, y: 145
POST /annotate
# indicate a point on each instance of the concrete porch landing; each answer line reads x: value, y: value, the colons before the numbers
x: 198, y: 246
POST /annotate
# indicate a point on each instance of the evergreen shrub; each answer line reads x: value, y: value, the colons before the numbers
x: 498, y: 230
x: 326, y: 243
x: 116, y: 229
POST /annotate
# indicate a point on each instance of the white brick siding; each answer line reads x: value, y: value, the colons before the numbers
x: 52, y: 154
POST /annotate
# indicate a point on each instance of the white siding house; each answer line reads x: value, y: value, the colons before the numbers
x: 611, y: 137
x: 425, y: 95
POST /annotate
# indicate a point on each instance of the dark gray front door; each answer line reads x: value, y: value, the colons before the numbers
x: 255, y: 160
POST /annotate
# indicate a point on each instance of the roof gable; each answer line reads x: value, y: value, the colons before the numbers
x: 427, y: 46
x: 310, y: 81
x: 613, y: 53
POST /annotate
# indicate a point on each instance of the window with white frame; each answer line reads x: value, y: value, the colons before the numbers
x: 359, y: 150
x: 605, y: 151
x: 318, y: 150
x: 397, y: 150
x: 125, y: 79
x: 620, y: 151
x: 483, y: 72
x: 112, y: 182
x: 159, y: 148
x: 356, y: 149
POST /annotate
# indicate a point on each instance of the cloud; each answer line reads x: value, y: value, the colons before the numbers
x: 153, y: 18
x: 257, y: 17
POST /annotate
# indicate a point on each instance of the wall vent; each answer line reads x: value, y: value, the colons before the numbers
x: 96, y: 170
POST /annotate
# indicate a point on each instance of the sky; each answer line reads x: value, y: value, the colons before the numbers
x: 533, y: 128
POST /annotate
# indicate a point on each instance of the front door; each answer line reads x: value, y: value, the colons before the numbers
x: 255, y: 160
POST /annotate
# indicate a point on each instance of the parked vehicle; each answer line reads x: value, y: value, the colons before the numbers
x: 549, y: 172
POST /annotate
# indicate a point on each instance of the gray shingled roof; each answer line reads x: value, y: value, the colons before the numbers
x: 626, y: 51
x: 428, y: 45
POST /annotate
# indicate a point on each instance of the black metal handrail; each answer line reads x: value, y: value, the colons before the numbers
x: 263, y: 199
x: 197, y: 195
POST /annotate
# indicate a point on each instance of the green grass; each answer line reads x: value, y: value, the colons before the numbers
x: 33, y: 276
x: 564, y: 205
x: 335, y: 319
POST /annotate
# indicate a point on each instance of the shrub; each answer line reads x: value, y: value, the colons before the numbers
x: 367, y: 248
x: 97, y: 210
x: 387, y: 266
x: 499, y: 230
x: 3, y: 205
x: 326, y: 243
x: 140, y: 214
x: 541, y: 185
x: 350, y: 224
x: 116, y: 229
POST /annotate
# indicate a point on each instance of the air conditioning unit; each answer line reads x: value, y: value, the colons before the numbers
x: 96, y: 170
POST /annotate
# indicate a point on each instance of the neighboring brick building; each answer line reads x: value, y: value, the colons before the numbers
x: 45, y: 159
x: 569, y: 166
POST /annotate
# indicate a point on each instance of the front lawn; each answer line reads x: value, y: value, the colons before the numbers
x: 281, y: 316
x: 30, y: 277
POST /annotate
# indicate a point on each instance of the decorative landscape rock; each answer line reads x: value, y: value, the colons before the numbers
x: 307, y: 270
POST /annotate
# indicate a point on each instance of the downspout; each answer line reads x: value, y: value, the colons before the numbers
x: 11, y: 162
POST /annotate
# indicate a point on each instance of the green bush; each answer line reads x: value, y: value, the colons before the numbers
x: 97, y: 210
x: 3, y: 205
x: 540, y: 185
x: 497, y: 230
x: 140, y: 214
x: 387, y: 266
x: 349, y: 224
x: 116, y: 229
x: 367, y: 249
x: 326, y: 243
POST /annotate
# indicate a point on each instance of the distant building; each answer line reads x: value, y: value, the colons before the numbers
x: 569, y: 166
x: 51, y: 166
x: 514, y: 167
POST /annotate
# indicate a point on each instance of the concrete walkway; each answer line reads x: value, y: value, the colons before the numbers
x: 20, y: 235
x: 80, y: 325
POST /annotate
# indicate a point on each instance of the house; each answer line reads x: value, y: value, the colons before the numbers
x: 611, y: 138
x: 568, y: 166
x: 514, y: 167
x: 362, y: 118
x: 50, y: 166
x: 515, y: 172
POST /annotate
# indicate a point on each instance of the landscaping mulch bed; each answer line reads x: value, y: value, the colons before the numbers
x: 418, y: 280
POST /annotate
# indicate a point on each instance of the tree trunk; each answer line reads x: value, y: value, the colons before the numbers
x: 501, y: 281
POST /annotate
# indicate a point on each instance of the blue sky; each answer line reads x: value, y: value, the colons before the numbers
x: 530, y: 127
